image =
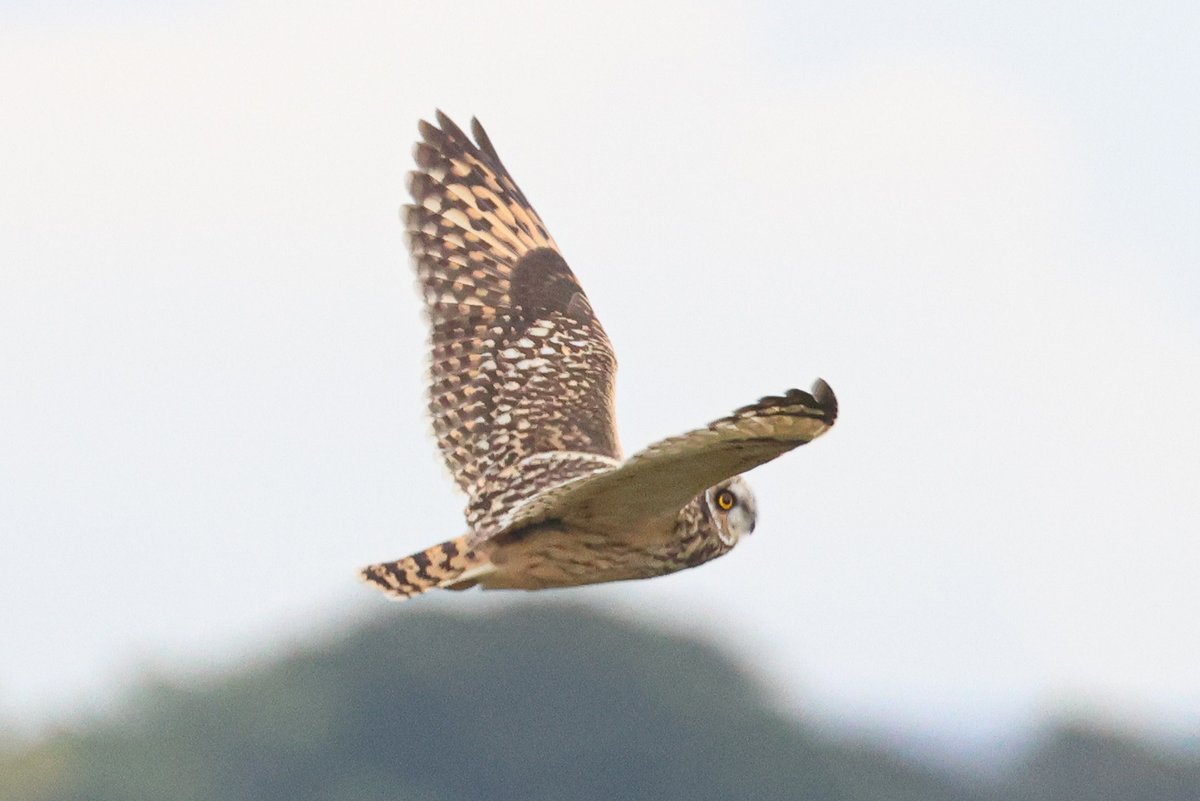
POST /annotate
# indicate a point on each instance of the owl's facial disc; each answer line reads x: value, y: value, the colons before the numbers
x: 733, y: 509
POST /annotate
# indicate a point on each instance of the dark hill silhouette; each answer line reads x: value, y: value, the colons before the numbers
x: 534, y: 703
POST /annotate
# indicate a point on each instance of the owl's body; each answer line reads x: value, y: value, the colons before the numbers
x: 522, y: 381
x: 554, y: 554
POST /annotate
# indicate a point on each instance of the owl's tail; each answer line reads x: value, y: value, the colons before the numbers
x: 451, y: 565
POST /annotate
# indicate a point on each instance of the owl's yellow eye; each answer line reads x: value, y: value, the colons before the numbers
x: 726, y: 500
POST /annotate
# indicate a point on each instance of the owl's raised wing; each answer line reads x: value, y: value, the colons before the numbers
x: 661, y: 479
x: 520, y: 365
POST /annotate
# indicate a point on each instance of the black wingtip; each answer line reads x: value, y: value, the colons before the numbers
x: 485, y: 142
x: 450, y: 128
x: 446, y: 134
x: 823, y: 394
x: 819, y: 404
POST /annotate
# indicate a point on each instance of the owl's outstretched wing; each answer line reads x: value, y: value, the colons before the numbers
x: 661, y: 479
x: 520, y: 365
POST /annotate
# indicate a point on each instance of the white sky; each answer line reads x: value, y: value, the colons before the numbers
x: 979, y: 226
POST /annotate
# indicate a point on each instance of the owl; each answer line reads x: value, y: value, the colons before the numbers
x: 521, y: 390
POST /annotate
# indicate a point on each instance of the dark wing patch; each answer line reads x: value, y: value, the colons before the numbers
x: 519, y: 363
x: 542, y: 283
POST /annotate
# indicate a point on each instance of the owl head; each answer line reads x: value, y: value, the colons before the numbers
x: 733, y: 509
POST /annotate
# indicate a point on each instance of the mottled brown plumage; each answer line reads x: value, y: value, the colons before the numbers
x: 521, y: 398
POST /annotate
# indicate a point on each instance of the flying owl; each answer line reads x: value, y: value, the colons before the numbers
x: 521, y: 391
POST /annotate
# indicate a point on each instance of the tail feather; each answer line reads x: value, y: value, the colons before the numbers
x: 452, y: 564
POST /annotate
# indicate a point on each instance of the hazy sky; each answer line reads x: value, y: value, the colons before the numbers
x: 978, y: 224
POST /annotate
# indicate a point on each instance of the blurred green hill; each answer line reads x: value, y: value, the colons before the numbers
x: 530, y: 704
